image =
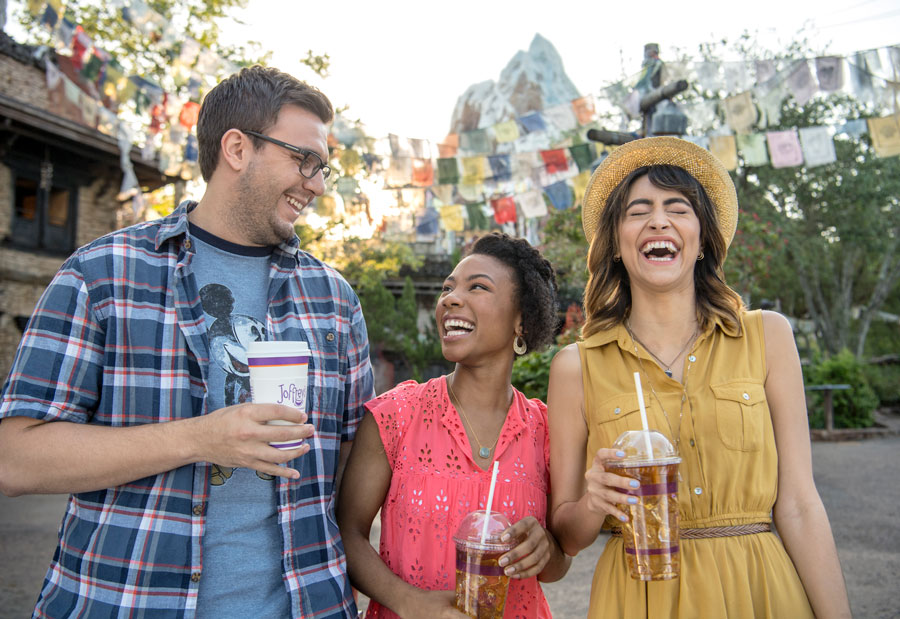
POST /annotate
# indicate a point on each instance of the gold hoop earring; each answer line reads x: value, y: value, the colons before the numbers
x: 519, y: 345
x: 700, y: 255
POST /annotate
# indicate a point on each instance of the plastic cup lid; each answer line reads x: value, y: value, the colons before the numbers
x: 469, y: 530
x: 633, y: 443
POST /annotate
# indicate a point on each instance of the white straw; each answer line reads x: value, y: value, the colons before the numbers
x: 487, y: 509
x: 640, y: 395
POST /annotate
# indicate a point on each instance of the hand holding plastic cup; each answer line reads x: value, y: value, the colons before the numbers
x: 651, y: 533
x: 278, y: 375
x: 481, y: 584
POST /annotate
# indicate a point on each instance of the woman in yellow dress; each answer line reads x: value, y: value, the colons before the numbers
x: 722, y: 383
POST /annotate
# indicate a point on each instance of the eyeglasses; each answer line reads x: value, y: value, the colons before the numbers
x: 310, y: 162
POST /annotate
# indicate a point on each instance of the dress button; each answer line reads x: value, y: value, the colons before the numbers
x: 187, y: 243
x: 195, y: 577
x: 617, y: 411
x: 698, y: 490
x: 198, y: 509
x: 692, y: 442
x: 330, y: 337
x: 746, y: 396
x: 692, y: 358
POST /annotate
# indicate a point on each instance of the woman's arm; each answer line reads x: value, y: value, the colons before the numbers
x: 579, y: 501
x: 799, y: 514
x: 364, y: 487
x: 538, y: 554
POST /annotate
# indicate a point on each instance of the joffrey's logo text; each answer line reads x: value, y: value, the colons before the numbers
x: 290, y: 395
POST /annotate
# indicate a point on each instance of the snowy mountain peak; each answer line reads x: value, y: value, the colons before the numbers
x: 531, y: 81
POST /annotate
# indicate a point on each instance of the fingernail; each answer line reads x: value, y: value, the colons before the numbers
x: 634, y: 483
x: 505, y: 537
x: 503, y: 561
x: 632, y: 500
x: 623, y: 518
x: 620, y: 454
x: 509, y: 571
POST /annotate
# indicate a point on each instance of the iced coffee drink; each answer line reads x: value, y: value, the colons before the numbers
x: 651, y: 533
x: 481, y: 585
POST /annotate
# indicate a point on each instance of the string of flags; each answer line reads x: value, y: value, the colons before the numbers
x: 91, y: 85
x: 512, y: 172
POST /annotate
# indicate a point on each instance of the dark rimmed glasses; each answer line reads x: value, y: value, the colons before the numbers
x: 310, y: 162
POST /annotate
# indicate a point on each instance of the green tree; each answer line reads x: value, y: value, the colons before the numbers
x: 566, y: 249
x: 825, y: 239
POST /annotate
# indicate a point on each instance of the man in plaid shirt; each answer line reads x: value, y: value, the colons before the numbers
x: 129, y: 389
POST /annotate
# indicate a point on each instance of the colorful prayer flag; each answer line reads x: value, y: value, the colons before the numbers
x: 507, y: 131
x: 584, y: 109
x: 784, y: 148
x: 885, y: 134
x: 582, y: 155
x: 561, y: 116
x: 725, y: 150
x: 740, y: 113
x: 448, y: 171
x: 422, y: 173
x: 830, y: 73
x: 501, y: 168
x: 449, y: 146
x: 532, y: 122
x: 504, y: 209
x: 752, y: 147
x: 476, y: 141
x: 477, y: 218
x: 555, y: 160
x: 818, y: 147
x: 801, y: 82
x: 452, y: 217
x: 472, y: 170
x: 560, y: 195
x: 532, y: 204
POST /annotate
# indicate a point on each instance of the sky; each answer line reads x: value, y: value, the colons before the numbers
x: 400, y: 65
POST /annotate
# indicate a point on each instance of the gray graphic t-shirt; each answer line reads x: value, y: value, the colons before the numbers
x: 242, y: 542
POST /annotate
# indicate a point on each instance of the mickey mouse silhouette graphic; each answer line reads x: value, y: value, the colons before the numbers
x: 229, y: 334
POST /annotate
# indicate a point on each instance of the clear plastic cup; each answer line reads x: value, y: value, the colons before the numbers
x: 481, y: 585
x: 651, y: 533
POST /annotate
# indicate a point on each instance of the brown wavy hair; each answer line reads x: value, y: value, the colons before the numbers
x: 607, y: 297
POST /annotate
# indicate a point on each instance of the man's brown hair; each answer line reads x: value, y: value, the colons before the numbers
x: 250, y: 100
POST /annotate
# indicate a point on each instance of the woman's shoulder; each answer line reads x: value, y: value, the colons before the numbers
x: 530, y: 407
x: 406, y: 398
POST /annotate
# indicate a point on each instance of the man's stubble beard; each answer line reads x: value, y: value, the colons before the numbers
x: 254, y: 212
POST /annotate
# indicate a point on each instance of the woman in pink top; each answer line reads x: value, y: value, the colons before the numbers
x: 424, y: 454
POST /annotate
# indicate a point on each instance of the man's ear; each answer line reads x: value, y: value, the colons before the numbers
x: 236, y: 149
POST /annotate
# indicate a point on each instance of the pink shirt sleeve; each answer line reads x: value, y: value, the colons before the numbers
x: 393, y: 412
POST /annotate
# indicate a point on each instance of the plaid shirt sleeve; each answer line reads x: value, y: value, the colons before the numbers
x: 58, y: 368
x: 360, y: 386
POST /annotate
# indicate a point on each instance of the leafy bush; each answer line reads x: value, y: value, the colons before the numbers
x: 885, y: 381
x: 853, y: 407
x: 531, y: 373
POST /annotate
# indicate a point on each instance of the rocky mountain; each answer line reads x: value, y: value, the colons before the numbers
x: 532, y: 80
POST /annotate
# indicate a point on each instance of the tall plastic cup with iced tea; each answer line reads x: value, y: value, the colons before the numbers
x: 651, y: 533
x: 481, y: 585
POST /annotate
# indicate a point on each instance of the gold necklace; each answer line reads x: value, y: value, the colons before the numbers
x: 675, y: 436
x: 667, y: 366
x: 483, y: 452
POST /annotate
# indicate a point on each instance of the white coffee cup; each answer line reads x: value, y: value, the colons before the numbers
x: 278, y: 375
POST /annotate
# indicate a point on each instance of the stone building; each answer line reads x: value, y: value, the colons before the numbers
x: 59, y: 178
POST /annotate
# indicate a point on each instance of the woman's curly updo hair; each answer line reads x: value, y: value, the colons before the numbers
x: 535, y: 285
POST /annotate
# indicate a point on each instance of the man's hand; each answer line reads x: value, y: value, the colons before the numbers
x: 238, y: 436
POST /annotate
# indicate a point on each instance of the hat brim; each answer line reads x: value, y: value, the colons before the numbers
x: 695, y: 160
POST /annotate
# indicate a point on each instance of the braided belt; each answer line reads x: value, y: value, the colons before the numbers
x: 707, y: 532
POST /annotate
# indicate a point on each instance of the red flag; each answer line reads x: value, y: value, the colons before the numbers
x: 422, y: 173
x: 187, y: 118
x: 504, y: 209
x: 555, y: 160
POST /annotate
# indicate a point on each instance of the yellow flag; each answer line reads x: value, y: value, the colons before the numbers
x: 885, y: 134
x: 579, y: 184
x: 452, y: 217
x: 725, y: 149
x: 506, y: 131
x: 472, y: 170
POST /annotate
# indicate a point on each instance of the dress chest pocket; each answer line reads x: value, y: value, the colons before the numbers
x: 616, y: 415
x: 741, y: 408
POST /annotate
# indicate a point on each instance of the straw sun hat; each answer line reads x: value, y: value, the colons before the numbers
x: 695, y: 160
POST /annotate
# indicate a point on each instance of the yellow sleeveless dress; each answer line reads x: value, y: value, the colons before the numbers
x: 729, y: 473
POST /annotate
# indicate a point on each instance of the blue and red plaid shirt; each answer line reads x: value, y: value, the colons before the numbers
x: 119, y: 339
